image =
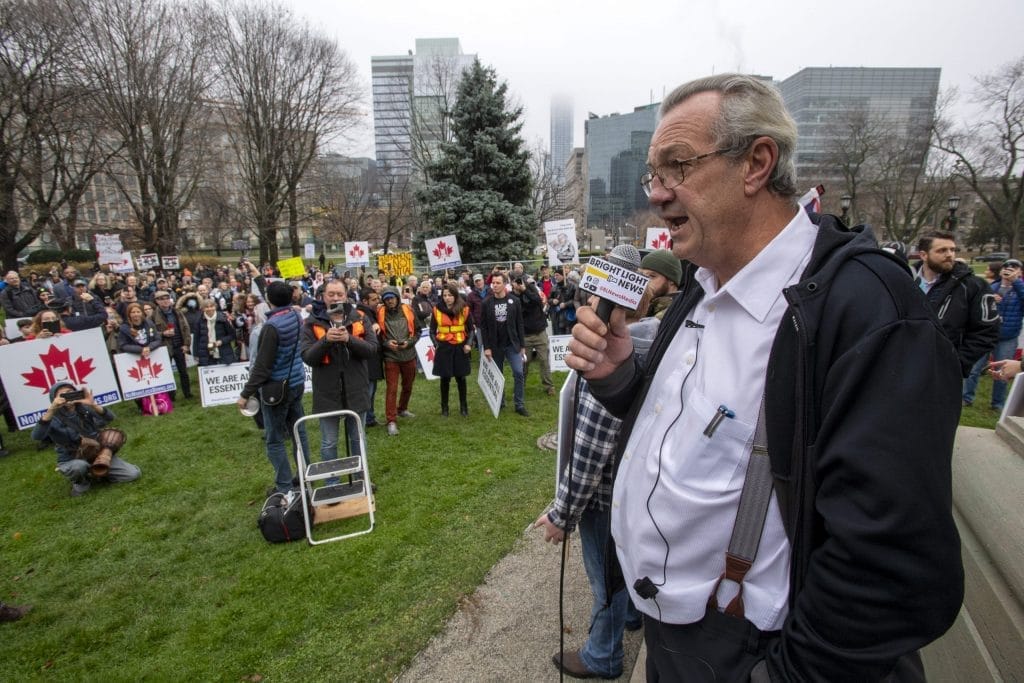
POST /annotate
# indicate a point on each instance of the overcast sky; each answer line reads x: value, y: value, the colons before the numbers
x: 613, y: 55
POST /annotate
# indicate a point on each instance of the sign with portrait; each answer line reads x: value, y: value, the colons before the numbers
x: 560, y: 237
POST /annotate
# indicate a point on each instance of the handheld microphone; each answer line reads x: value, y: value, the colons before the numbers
x: 625, y: 256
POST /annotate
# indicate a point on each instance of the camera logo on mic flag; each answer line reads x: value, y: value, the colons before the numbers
x: 619, y: 285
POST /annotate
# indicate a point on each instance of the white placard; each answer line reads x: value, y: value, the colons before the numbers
x: 169, y: 263
x: 221, y: 385
x: 213, y: 379
x: 309, y: 250
x: 558, y: 346
x: 561, y: 240
x: 11, y: 330
x: 443, y: 252
x: 147, y: 261
x: 108, y: 249
x: 617, y: 284
x: 425, y: 351
x: 357, y: 254
x: 28, y: 369
x: 566, y: 415
x: 658, y: 238
x: 491, y: 381
x: 140, y: 376
x: 125, y: 265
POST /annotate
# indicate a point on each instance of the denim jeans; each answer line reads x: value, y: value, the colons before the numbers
x: 1004, y: 349
x: 329, y: 427
x: 602, y: 653
x: 515, y: 359
x: 278, y: 422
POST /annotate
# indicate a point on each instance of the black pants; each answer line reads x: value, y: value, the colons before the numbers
x: 716, y: 648
x: 179, y: 362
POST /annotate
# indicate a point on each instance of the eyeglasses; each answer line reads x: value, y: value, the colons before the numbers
x: 673, y: 173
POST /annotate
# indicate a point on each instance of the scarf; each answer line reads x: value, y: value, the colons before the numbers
x: 211, y: 333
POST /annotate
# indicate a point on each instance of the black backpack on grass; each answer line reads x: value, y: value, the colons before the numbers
x: 281, y: 520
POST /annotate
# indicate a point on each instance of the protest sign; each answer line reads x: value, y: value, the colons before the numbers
x: 558, y: 346
x: 309, y: 250
x: 658, y: 238
x: 395, y: 264
x: 140, y: 376
x: 291, y: 267
x: 560, y: 237
x: 443, y: 253
x: 147, y: 261
x: 491, y: 381
x: 357, y: 254
x: 108, y: 249
x: 78, y: 357
x: 221, y: 385
x: 125, y: 265
x: 425, y: 351
x: 170, y: 263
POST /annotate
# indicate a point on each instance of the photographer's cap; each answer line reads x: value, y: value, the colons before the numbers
x: 1011, y: 263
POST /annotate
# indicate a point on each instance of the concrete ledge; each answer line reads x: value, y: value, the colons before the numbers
x: 988, y: 487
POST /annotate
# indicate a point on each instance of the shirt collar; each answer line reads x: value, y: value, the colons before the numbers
x: 759, y: 284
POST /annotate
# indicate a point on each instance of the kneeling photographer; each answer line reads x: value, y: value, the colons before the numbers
x: 85, y: 450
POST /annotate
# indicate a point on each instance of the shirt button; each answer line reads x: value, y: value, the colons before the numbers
x: 615, y: 505
x: 711, y: 308
x: 690, y: 358
x: 657, y: 409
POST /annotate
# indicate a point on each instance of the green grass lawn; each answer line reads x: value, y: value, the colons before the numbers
x: 168, y: 577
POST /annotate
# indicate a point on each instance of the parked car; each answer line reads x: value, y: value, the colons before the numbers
x: 993, y: 256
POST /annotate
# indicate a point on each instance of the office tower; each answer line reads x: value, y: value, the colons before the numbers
x: 561, y: 135
x: 826, y: 101
x: 616, y: 154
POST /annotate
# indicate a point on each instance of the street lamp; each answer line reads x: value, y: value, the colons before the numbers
x: 636, y: 232
x: 844, y: 203
x: 953, y: 203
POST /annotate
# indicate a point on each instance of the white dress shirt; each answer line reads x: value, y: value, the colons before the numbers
x: 677, y: 491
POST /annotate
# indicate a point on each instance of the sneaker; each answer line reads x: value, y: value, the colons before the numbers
x: 13, y: 612
x: 392, y: 429
x: 372, y: 423
x: 405, y: 413
x: 80, y: 489
x: 523, y: 411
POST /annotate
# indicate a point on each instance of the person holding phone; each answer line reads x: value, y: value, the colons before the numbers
x: 72, y: 419
x: 398, y: 339
x: 46, y: 323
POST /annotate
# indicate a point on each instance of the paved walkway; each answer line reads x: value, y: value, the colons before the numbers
x: 508, y: 629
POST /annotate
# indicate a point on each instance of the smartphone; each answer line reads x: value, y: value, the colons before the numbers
x: 75, y: 395
x: 52, y: 326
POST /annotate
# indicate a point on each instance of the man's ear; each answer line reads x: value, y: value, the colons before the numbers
x: 760, y: 162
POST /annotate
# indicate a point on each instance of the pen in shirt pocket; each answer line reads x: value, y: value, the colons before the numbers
x: 720, y: 414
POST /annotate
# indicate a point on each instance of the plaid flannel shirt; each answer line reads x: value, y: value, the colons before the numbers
x: 591, y: 463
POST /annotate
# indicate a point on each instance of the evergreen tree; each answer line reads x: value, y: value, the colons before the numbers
x: 479, y: 187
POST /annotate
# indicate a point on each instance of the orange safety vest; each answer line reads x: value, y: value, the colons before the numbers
x: 320, y: 332
x: 449, y: 330
x: 382, y: 311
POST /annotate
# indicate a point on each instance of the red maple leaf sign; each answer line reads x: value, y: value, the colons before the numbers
x: 58, y: 366
x: 430, y: 353
x: 662, y: 241
x: 145, y: 371
x: 356, y: 251
x: 442, y: 249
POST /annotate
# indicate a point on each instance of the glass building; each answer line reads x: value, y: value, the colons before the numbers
x: 561, y: 135
x: 616, y: 153
x: 825, y: 100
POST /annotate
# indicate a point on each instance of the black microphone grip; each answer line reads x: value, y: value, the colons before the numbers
x: 604, y: 310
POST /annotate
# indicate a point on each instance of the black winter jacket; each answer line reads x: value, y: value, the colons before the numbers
x: 862, y: 404
x: 966, y: 309
x: 342, y: 382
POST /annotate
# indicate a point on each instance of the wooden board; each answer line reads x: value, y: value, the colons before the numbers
x: 344, y: 510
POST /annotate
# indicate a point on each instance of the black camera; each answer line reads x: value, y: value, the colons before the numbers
x: 74, y: 395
